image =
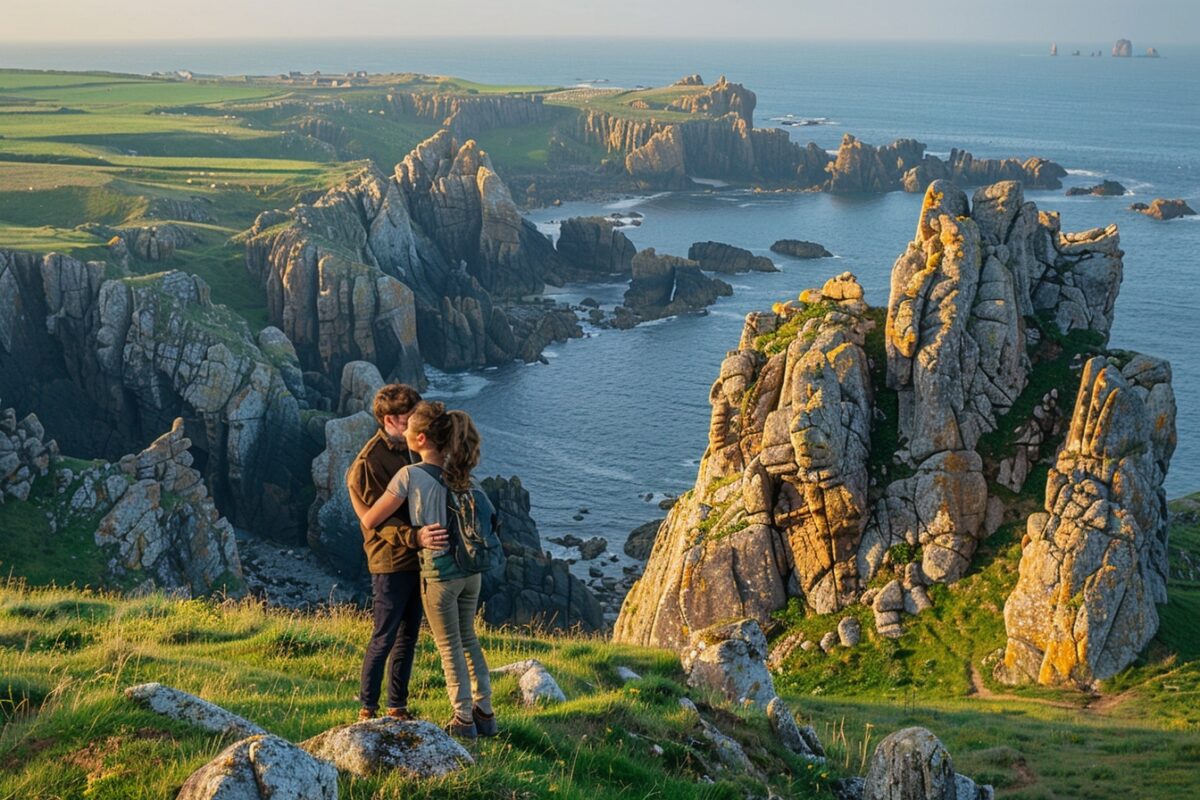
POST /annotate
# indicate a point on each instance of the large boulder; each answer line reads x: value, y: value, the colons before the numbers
x: 666, y: 285
x: 1095, y: 562
x: 25, y: 456
x: 262, y: 768
x: 1161, y: 208
x: 797, y: 248
x: 418, y: 749
x: 913, y: 764
x: 731, y: 658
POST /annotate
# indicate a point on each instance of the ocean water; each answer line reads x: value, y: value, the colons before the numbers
x: 625, y: 413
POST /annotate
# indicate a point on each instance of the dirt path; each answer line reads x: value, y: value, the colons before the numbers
x: 980, y: 690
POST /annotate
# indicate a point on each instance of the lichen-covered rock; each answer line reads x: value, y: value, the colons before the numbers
x: 262, y: 768
x: 538, y: 686
x: 418, y: 749
x: 188, y: 708
x: 728, y: 752
x: 1095, y: 563
x: 25, y: 456
x: 781, y: 496
x: 592, y: 248
x: 913, y: 764
x: 725, y: 258
x: 801, y: 741
x: 731, y: 658
x: 162, y: 523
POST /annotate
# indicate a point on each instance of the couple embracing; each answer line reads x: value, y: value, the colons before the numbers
x: 429, y: 533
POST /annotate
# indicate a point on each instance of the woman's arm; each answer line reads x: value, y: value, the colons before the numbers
x: 392, y: 498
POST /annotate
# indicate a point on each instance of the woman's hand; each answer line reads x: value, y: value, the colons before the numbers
x: 433, y: 537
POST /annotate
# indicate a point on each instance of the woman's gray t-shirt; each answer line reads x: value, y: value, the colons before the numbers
x: 425, y: 492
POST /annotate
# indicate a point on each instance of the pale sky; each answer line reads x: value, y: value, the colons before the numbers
x: 1147, y: 23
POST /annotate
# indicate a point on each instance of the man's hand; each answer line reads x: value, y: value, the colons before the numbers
x: 433, y: 537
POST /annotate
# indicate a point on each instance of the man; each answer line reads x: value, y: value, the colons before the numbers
x: 391, y: 556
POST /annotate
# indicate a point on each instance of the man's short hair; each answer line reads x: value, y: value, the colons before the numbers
x: 394, y: 399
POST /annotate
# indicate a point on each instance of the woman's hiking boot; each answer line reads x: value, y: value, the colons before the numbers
x: 485, y: 724
x: 366, y: 714
x: 463, y: 730
x: 402, y: 714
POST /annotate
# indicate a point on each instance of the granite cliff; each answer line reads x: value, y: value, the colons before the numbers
x: 424, y: 265
x: 852, y: 446
x: 110, y: 363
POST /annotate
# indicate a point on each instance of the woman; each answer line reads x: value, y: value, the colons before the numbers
x: 448, y: 444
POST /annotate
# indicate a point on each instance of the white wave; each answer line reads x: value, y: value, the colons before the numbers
x: 1085, y: 172
x: 633, y: 202
x: 450, y: 385
x: 710, y: 182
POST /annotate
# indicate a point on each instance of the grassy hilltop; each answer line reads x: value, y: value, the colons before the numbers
x: 65, y: 656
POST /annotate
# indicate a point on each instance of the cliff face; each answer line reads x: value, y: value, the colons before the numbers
x: 718, y: 100
x: 113, y: 362
x: 664, y: 155
x: 816, y: 472
x: 1094, y: 564
x: 592, y: 248
x: 465, y: 117
x: 395, y: 269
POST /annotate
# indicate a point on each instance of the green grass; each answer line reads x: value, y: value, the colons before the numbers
x: 66, y: 656
x: 1031, y: 742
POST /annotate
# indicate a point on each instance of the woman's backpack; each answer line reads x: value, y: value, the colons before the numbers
x: 472, y: 526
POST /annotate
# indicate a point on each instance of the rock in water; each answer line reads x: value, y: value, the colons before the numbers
x: 797, y: 248
x: 1095, y: 563
x: 186, y: 707
x: 641, y: 540
x: 1102, y: 189
x: 1163, y: 209
x: 720, y: 257
x: 418, y: 749
x: 531, y: 588
x: 913, y: 764
x: 262, y: 768
x: 665, y: 285
x: 591, y: 248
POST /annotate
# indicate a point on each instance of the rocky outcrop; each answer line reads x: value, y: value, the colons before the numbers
x: 180, y: 705
x: 416, y: 749
x: 25, y: 455
x: 731, y: 658
x: 531, y: 588
x: 1163, y: 209
x: 591, y: 248
x: 790, y: 500
x: 1122, y: 49
x: 666, y: 285
x: 1102, y: 189
x: 262, y: 768
x: 913, y: 764
x: 725, y: 258
x: 718, y: 100
x: 160, y: 523
x: 797, y: 248
x: 781, y: 496
x: 690, y: 80
x: 381, y: 263
x: 903, y: 164
x: 111, y: 363
x: 1094, y: 564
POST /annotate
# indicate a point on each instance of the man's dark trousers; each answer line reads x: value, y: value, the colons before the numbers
x: 397, y: 613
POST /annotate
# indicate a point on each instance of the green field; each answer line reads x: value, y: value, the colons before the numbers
x: 78, y: 148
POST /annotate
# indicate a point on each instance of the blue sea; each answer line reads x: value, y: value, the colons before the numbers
x: 620, y: 415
